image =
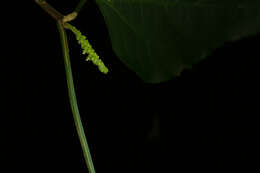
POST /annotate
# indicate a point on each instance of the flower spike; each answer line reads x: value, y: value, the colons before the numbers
x: 87, y: 48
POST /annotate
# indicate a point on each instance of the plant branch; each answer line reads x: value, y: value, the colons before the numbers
x: 49, y: 9
x: 80, y: 5
x: 73, y: 99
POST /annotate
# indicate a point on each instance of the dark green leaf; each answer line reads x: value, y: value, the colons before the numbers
x: 159, y: 38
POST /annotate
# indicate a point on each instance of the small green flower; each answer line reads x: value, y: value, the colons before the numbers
x: 87, y: 48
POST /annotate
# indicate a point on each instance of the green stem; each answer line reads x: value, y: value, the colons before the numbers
x: 72, y: 95
x: 73, y: 99
x: 80, y: 5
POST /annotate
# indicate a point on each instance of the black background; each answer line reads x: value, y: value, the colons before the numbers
x: 206, y: 120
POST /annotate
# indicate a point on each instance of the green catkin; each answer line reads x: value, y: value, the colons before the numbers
x: 87, y: 49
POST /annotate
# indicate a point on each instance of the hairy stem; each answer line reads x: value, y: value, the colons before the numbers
x: 73, y: 99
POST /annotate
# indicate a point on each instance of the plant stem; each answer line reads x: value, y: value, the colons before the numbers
x: 73, y: 99
x: 72, y: 95
x: 49, y: 9
x: 80, y: 5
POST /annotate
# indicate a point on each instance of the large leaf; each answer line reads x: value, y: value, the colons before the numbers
x: 159, y: 38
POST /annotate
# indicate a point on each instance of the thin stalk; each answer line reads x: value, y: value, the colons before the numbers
x: 73, y: 99
x: 72, y: 95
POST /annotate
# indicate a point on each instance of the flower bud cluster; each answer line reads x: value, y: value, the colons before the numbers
x: 87, y: 49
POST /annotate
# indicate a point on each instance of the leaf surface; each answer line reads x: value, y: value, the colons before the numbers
x: 159, y: 38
